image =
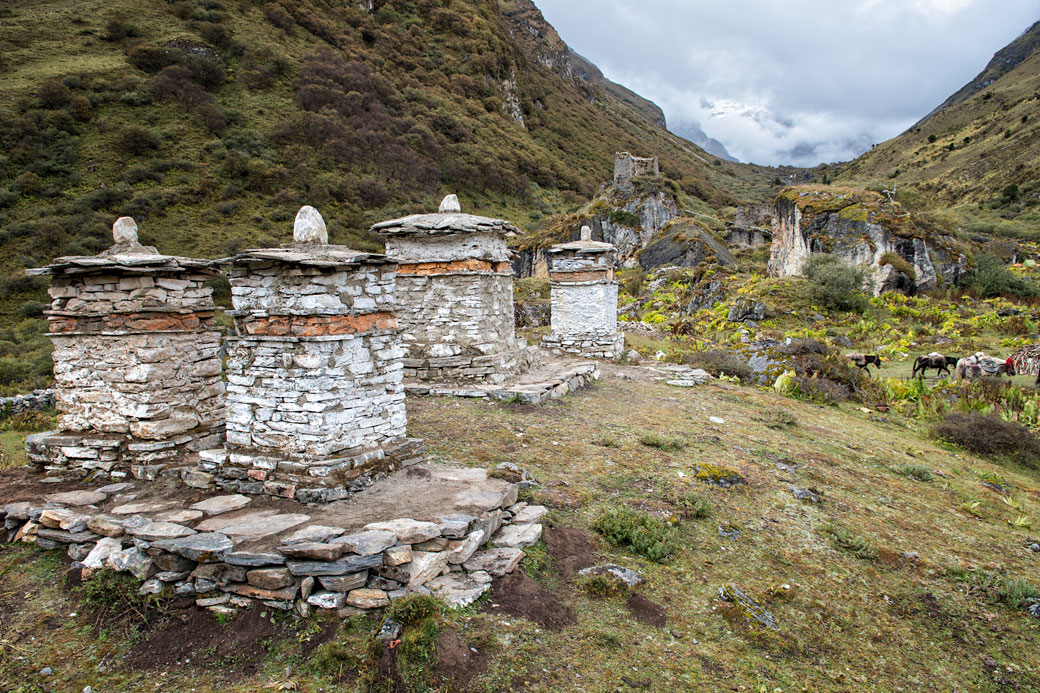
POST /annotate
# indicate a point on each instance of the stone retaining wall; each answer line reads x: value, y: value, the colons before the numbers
x: 38, y: 400
x: 314, y: 567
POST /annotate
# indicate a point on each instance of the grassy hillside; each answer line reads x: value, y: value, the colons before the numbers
x: 909, y: 542
x: 977, y: 156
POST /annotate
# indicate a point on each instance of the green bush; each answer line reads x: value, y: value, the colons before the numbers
x: 896, y: 262
x: 642, y: 533
x: 835, y: 283
x: 992, y: 278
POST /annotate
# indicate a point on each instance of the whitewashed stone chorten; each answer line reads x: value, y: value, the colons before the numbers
x: 584, y: 299
x: 136, y: 360
x: 315, y: 397
x: 454, y: 294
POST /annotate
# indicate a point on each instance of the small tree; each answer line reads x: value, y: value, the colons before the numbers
x: 835, y: 283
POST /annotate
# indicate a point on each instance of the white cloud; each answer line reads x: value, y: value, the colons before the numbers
x: 800, y: 81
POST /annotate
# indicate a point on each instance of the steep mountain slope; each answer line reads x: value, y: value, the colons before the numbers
x: 176, y: 109
x: 1005, y: 60
x: 980, y: 148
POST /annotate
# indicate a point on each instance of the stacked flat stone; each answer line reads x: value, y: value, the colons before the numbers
x: 584, y: 299
x: 226, y: 556
x: 315, y: 397
x: 454, y: 294
x: 136, y: 360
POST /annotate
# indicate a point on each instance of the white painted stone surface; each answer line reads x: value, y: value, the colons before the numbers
x: 309, y: 226
x: 584, y: 309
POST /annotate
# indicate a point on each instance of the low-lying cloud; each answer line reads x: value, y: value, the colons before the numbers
x: 802, y: 82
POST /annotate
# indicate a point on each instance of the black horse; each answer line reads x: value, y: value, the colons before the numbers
x: 937, y: 361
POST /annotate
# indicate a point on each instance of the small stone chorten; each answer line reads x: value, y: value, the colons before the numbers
x: 584, y: 299
x: 136, y: 360
x: 454, y: 294
x: 315, y: 395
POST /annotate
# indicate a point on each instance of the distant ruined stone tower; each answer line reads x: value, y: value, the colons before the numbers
x: 627, y: 167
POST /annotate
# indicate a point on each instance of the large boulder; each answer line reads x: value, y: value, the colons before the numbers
x: 684, y: 243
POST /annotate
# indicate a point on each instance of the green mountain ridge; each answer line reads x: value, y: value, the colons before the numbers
x: 976, y: 156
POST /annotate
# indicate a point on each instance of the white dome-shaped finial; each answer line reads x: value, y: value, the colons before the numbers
x: 309, y: 226
x: 450, y: 204
x: 586, y: 233
x: 124, y: 230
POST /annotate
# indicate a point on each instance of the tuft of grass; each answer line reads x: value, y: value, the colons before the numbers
x: 695, y: 505
x: 917, y: 472
x: 844, y: 540
x: 663, y: 442
x: 604, y: 586
x: 606, y: 441
x: 642, y: 533
x: 780, y: 418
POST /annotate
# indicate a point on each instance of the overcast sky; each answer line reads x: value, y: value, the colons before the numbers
x: 792, y: 81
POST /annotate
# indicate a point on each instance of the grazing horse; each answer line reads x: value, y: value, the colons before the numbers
x: 978, y: 365
x: 934, y: 360
x: 864, y: 360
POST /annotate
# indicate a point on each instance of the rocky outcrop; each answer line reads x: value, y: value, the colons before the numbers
x: 684, y: 243
x: 857, y: 227
x: 632, y: 226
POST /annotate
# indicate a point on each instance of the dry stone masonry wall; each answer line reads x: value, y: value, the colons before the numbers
x: 315, y: 397
x: 136, y: 361
x: 627, y: 167
x: 225, y: 555
x: 454, y: 294
x: 584, y: 299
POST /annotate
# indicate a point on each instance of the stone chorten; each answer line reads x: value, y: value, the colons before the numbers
x: 315, y: 395
x: 454, y: 294
x: 136, y: 360
x: 584, y: 299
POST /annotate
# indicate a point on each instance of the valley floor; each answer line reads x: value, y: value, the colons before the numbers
x: 886, y: 584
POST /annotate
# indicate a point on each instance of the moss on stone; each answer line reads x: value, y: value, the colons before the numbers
x: 718, y: 475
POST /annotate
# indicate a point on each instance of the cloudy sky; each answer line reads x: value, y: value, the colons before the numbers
x: 792, y: 81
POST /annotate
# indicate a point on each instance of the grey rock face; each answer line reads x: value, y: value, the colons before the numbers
x: 625, y: 575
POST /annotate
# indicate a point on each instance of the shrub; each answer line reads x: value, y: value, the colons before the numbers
x: 53, y: 94
x: 695, y: 505
x: 899, y: 264
x: 633, y: 283
x: 835, y: 283
x: 993, y: 278
x: 642, y: 533
x: 990, y: 435
x: 719, y: 362
x: 132, y: 139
